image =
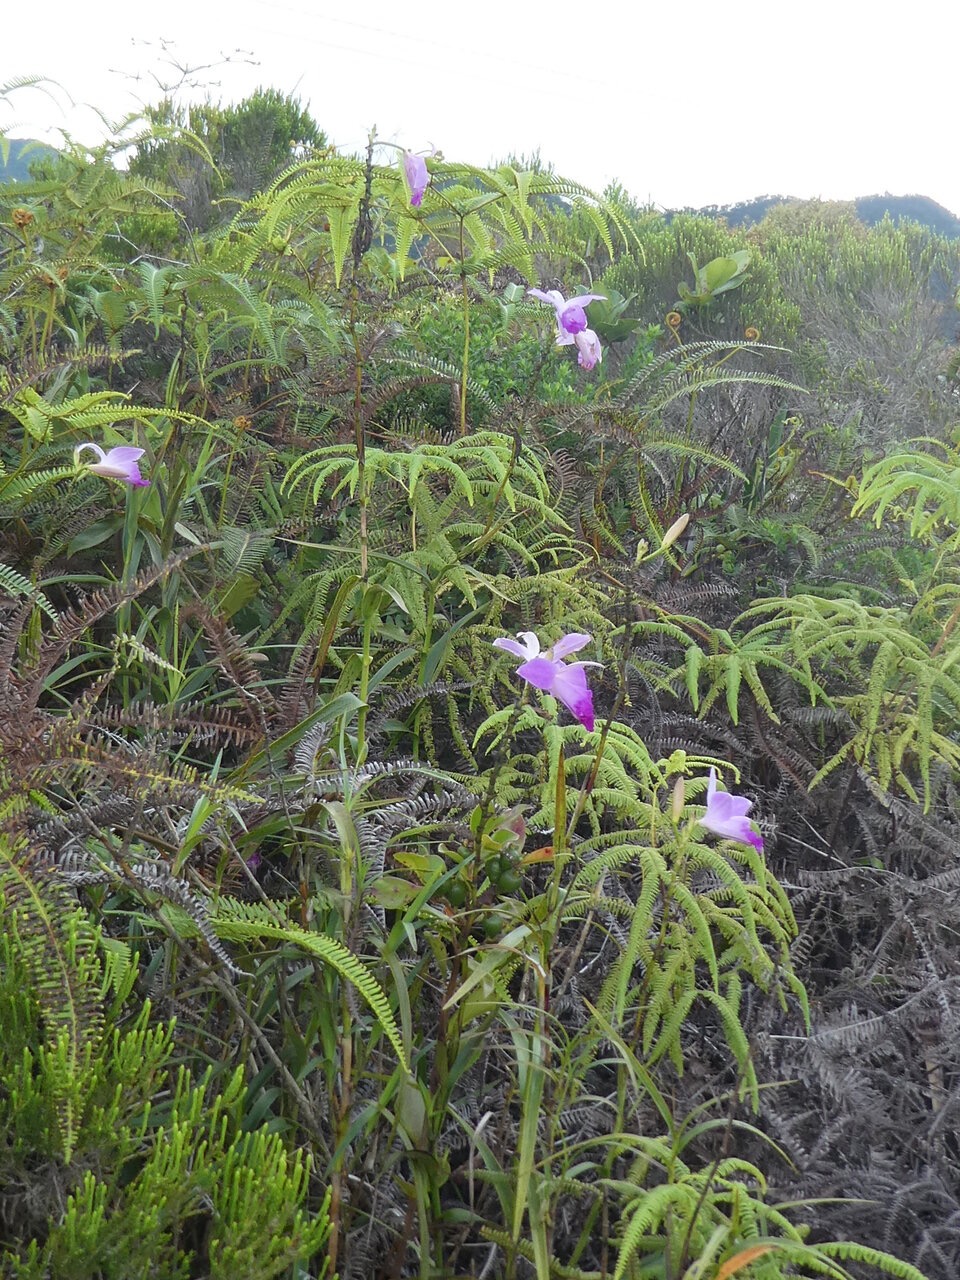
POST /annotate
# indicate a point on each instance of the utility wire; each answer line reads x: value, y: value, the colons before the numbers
x: 461, y: 50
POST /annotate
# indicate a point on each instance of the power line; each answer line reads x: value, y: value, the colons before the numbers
x: 461, y: 50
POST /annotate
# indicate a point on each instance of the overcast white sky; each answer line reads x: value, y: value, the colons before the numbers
x: 683, y: 101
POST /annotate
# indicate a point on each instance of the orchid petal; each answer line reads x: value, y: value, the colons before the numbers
x: 553, y: 297
x: 528, y: 649
x: 122, y: 455
x: 728, y: 808
x: 415, y: 171
x: 570, y: 644
x: 511, y: 646
x: 573, y: 319
x: 88, y: 444
x: 726, y: 815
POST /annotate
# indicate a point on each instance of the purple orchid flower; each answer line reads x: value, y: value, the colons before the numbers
x: 726, y: 815
x: 571, y: 317
x: 415, y: 171
x: 565, y: 681
x: 119, y: 463
x: 572, y: 323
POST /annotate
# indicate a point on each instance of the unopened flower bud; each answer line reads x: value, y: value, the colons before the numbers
x: 675, y: 530
x: 678, y: 800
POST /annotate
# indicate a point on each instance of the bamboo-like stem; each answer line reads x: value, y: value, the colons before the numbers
x: 466, y: 335
x: 361, y: 242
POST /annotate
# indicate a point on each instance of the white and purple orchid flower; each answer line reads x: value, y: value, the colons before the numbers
x: 118, y: 463
x: 726, y: 816
x: 565, y: 681
x: 572, y: 323
x: 415, y: 172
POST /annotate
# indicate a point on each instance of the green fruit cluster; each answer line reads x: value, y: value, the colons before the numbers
x: 503, y: 874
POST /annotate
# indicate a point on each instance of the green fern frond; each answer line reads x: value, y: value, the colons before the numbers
x: 913, y: 486
x: 905, y: 697
x: 15, y: 584
x: 245, y: 550
x: 853, y: 1251
x: 237, y: 921
x: 17, y: 490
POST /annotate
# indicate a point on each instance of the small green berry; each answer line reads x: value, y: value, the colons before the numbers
x: 493, y: 925
x: 494, y: 867
x: 509, y: 881
x: 456, y: 893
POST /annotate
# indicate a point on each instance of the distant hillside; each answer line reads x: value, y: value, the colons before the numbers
x: 870, y: 209
x: 21, y: 155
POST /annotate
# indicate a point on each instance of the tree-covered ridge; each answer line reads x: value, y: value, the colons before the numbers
x: 477, y: 766
x: 17, y: 155
x: 869, y: 209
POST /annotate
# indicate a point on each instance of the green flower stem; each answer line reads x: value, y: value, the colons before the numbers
x: 48, y: 318
x: 366, y: 659
x: 466, y: 335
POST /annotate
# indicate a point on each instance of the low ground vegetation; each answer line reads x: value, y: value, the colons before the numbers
x: 478, y: 768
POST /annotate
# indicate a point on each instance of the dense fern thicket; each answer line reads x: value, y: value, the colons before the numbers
x: 341, y: 940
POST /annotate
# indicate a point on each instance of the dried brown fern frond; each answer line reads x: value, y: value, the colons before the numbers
x: 95, y: 792
x: 238, y: 664
x: 381, y: 396
x: 186, y: 722
x: 16, y: 378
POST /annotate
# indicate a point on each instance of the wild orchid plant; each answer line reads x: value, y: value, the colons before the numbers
x: 572, y: 323
x: 725, y: 814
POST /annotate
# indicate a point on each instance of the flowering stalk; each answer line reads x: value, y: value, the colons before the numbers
x: 361, y: 242
x: 466, y: 334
